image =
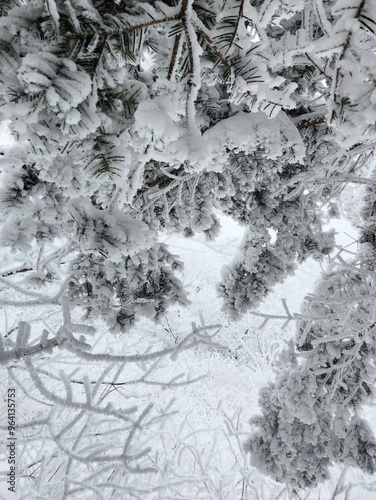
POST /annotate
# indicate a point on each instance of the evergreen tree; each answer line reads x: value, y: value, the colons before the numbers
x: 127, y: 117
x: 133, y: 117
x: 310, y: 415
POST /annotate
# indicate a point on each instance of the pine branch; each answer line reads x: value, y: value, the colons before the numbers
x: 311, y: 122
x: 174, y: 57
x: 194, y: 82
x: 192, y: 340
x: 126, y: 29
x: 322, y: 71
x: 159, y: 180
x: 12, y: 272
x: 73, y: 404
x: 345, y: 178
x: 213, y: 46
x: 239, y: 16
x: 267, y: 317
x: 142, y: 380
x: 273, y: 103
x: 342, y: 55
x: 183, y: 10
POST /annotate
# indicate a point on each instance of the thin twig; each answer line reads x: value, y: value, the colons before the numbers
x: 240, y: 15
x: 16, y: 271
x: 212, y: 45
x: 174, y: 57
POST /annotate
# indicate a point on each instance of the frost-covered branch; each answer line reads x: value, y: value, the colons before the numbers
x: 86, y: 425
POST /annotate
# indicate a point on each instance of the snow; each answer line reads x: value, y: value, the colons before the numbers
x: 235, y: 376
x: 5, y: 137
x: 247, y: 131
x: 229, y: 393
x: 206, y: 114
x: 203, y: 264
x: 54, y: 13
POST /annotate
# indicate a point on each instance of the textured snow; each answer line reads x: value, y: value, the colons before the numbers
x: 249, y: 131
